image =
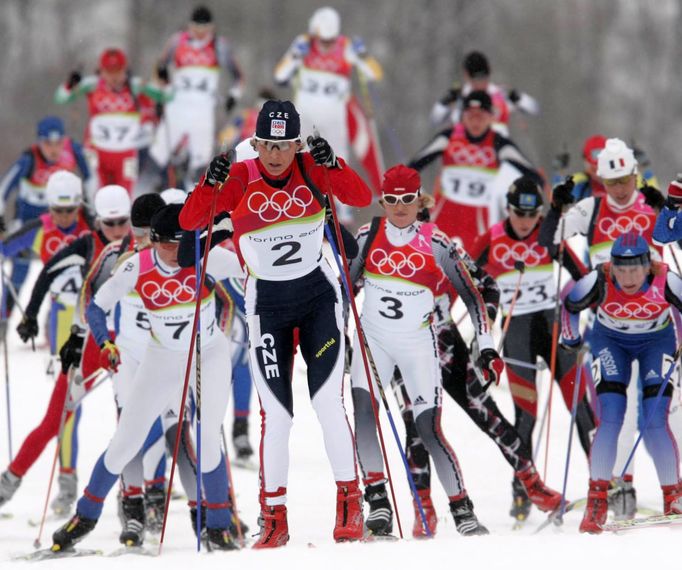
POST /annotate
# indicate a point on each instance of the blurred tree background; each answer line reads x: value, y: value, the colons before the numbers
x: 605, y: 66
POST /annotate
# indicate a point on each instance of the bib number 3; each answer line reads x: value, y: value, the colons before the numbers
x: 393, y: 306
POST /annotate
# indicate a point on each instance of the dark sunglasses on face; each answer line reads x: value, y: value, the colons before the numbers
x: 117, y: 222
x: 525, y: 213
x: 64, y: 209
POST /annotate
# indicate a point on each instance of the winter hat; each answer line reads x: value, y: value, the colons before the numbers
x: 113, y: 59
x: 51, y: 128
x: 144, y: 207
x: 165, y: 224
x: 592, y: 147
x: 478, y: 100
x: 675, y: 189
x: 112, y: 201
x: 524, y: 194
x: 401, y: 179
x: 201, y: 15
x: 616, y: 160
x: 64, y: 189
x: 476, y: 65
x: 278, y: 121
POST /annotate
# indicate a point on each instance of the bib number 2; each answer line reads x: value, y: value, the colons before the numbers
x: 290, y: 249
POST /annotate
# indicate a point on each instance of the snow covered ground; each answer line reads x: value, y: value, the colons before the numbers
x: 312, y: 497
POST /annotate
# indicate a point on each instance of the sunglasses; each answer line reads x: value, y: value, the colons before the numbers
x: 116, y: 222
x: 272, y: 145
x: 64, y: 209
x: 617, y: 181
x: 526, y: 213
x: 393, y: 199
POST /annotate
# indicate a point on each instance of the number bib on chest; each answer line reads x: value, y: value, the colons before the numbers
x: 66, y: 286
x: 278, y: 231
x: 470, y: 186
x: 133, y: 326
x: 196, y: 83
x: 170, y: 303
x: 115, y: 132
x: 401, y: 281
x: 321, y: 88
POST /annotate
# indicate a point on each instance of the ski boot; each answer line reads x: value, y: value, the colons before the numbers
x: 521, y: 504
x: 240, y: 440
x: 133, y: 513
x: 9, y: 483
x: 349, y: 523
x: 418, y: 530
x: 622, y: 499
x: 465, y: 519
x: 536, y: 491
x: 237, y: 526
x: 72, y: 532
x: 672, y: 499
x: 220, y: 539
x: 154, y: 505
x: 380, y: 519
x: 274, y: 531
x: 596, y: 509
x: 65, y: 499
x: 202, y: 521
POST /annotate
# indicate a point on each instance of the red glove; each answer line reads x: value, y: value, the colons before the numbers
x: 109, y: 356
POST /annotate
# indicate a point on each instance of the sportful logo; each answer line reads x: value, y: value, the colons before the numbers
x: 622, y: 225
x: 507, y: 255
x: 633, y: 310
x: 170, y: 291
x: 397, y: 263
x: 280, y: 204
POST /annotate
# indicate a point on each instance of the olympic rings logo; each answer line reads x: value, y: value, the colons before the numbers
x: 280, y: 204
x: 54, y: 243
x: 171, y: 291
x: 473, y: 155
x: 397, y: 262
x: 507, y: 255
x: 633, y: 310
x: 623, y: 224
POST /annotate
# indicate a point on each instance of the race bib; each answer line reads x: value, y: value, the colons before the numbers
x: 197, y: 82
x: 115, y: 132
x: 322, y: 85
x: 469, y: 186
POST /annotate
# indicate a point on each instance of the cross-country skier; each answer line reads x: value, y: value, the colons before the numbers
x: 113, y: 134
x: 402, y: 271
x: 476, y: 163
x: 28, y: 178
x: 529, y: 336
x: 668, y: 226
x: 634, y: 298
x: 112, y: 205
x: 192, y: 61
x: 476, y: 73
x: 278, y: 215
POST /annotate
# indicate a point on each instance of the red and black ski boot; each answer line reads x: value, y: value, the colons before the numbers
x: 274, y: 530
x: 672, y: 499
x: 540, y: 495
x: 349, y: 523
x: 597, y: 507
x: 418, y: 530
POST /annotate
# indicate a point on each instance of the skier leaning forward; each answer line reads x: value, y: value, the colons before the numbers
x: 278, y: 216
x: 168, y: 293
x: 402, y: 271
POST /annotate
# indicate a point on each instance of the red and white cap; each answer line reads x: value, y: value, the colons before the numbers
x: 592, y: 147
x: 401, y: 179
x: 113, y: 59
x: 675, y: 190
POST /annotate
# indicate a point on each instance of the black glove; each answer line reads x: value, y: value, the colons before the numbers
x: 218, y: 170
x: 562, y: 194
x: 652, y: 196
x: 28, y: 328
x: 491, y: 364
x: 328, y: 212
x: 162, y: 73
x: 514, y: 96
x: 3, y: 227
x: 561, y: 160
x: 74, y: 79
x: 71, y: 351
x: 672, y: 204
x: 451, y: 95
x: 641, y: 156
x: 321, y: 151
x: 491, y: 309
x: 230, y: 103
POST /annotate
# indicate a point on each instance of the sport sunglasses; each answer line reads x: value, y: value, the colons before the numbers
x: 393, y: 199
x: 115, y: 222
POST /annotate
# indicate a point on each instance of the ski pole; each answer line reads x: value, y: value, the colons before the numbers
x: 659, y: 395
x: 197, y: 382
x: 574, y: 411
x: 555, y: 344
x: 342, y: 263
x: 5, y: 350
x: 520, y: 266
x: 96, y: 384
x: 60, y: 434
x: 188, y: 368
x: 233, y: 496
x: 540, y: 366
x: 12, y: 291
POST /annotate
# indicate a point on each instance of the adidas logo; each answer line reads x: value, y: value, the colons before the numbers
x: 419, y: 401
x: 651, y: 374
